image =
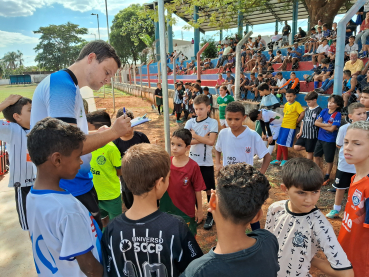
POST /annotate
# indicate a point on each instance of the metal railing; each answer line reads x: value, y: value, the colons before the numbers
x: 199, y: 60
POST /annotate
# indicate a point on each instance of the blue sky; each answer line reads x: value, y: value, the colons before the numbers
x: 19, y: 18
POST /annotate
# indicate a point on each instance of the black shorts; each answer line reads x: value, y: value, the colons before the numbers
x: 309, y: 144
x: 20, y: 202
x: 343, y: 179
x: 326, y: 148
x: 178, y: 108
x: 207, y: 173
x: 91, y: 202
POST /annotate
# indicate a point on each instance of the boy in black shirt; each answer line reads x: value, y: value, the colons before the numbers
x: 240, y: 193
x: 145, y: 241
x: 123, y: 143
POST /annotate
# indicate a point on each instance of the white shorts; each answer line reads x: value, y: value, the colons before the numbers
x: 223, y: 122
x: 275, y: 131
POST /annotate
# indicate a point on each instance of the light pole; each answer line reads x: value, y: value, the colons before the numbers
x: 94, y: 35
x: 107, y: 21
x: 98, y: 27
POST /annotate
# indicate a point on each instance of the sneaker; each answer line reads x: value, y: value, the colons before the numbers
x: 332, y: 189
x: 332, y: 214
x: 283, y: 162
x: 326, y: 182
x: 209, y: 222
x: 319, y: 90
x: 275, y: 162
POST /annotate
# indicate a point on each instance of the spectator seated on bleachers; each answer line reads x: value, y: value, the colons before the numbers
x: 190, y: 67
x: 271, y: 55
x: 228, y: 66
x: 294, y: 57
x: 293, y: 83
x: 220, y: 82
x: 258, y: 81
x: 350, y: 28
x: 301, y: 35
x: 320, y: 36
x: 333, y: 34
x: 327, y: 83
x: 355, y: 65
x: 332, y: 51
x: 275, y: 40
x: 269, y: 67
x: 311, y: 43
x: 262, y: 43
x: 350, y: 46
x: 348, y: 88
x: 258, y: 64
x: 244, y: 81
x: 280, y: 81
x: 252, y: 84
x: 229, y: 81
x: 363, y: 34
x: 326, y: 72
x: 321, y: 53
x: 278, y: 58
x: 225, y: 54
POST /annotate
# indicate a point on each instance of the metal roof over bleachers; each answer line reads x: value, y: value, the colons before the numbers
x: 267, y: 14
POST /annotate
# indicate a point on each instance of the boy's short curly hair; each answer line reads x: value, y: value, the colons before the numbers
x: 241, y: 191
x: 9, y: 111
x: 51, y: 135
x: 235, y: 107
x: 128, y: 113
x: 253, y: 114
x: 302, y: 173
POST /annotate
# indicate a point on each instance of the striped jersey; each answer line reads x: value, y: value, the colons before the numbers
x: 21, y: 169
x: 309, y: 130
x: 159, y: 244
x: 178, y: 96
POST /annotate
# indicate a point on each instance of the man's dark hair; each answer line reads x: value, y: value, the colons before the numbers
x: 313, y: 28
x: 260, y: 75
x: 326, y: 61
x: 365, y: 90
x: 303, y: 174
x: 99, y: 118
x: 51, y: 135
x: 235, y: 107
x: 196, y: 86
x: 184, y: 135
x: 142, y: 165
x: 338, y: 100
x: 325, y: 25
x: 352, y: 37
x: 263, y: 86
x: 347, y: 72
x: 253, y: 114
x: 206, y: 88
x: 128, y: 113
x: 279, y: 74
x: 290, y: 91
x: 17, y: 107
x: 241, y: 191
x: 102, y: 49
x: 198, y: 81
x: 311, y: 95
x: 202, y: 98
x: 252, y: 74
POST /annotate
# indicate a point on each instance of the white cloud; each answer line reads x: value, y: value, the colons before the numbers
x: 12, y: 8
x: 10, y: 38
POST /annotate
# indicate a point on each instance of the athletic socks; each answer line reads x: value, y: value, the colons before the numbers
x: 316, y: 84
x: 270, y: 149
x: 337, y: 208
x: 314, y: 66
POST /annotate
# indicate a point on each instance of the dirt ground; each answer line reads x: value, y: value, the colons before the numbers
x: 155, y: 132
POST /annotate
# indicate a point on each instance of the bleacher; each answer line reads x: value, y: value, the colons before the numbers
x: 209, y: 77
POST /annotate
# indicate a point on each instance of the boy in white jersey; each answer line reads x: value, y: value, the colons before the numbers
x: 270, y: 123
x: 65, y: 237
x: 239, y: 143
x: 17, y: 112
x: 301, y: 228
x: 204, y: 131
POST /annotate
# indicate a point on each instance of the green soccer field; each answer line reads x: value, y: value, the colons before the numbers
x: 24, y: 90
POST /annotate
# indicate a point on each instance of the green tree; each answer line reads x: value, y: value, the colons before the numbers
x: 10, y: 60
x: 211, y: 51
x: 127, y: 27
x: 58, y: 45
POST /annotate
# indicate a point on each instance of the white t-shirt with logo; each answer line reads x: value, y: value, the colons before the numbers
x: 61, y: 228
x: 241, y: 148
x: 342, y: 164
x: 323, y: 49
x: 21, y: 169
x: 202, y: 153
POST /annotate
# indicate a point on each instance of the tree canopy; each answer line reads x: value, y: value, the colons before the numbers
x: 59, y: 45
x: 128, y: 26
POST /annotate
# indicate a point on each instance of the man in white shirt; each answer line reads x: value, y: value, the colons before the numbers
x: 275, y: 40
x: 321, y: 53
x: 351, y: 46
x: 226, y: 51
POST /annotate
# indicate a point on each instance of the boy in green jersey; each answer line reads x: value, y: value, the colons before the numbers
x: 106, y: 169
x: 223, y: 100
